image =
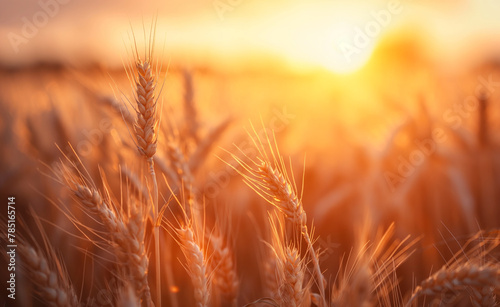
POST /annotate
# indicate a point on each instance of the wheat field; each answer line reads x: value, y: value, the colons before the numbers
x: 155, y: 184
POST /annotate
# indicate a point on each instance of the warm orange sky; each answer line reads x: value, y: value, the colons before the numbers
x: 299, y: 33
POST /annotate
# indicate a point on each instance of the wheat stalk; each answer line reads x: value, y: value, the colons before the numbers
x: 146, y: 130
x: 285, y: 199
x: 273, y: 184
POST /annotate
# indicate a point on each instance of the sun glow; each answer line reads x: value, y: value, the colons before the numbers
x: 332, y: 48
x: 322, y: 36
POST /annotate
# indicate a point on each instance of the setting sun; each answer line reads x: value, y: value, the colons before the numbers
x: 340, y: 41
x: 312, y: 35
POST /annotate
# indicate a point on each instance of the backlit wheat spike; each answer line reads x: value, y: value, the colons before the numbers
x: 51, y: 281
x: 196, y: 264
x: 270, y: 180
x: 91, y: 199
x: 146, y: 127
x: 284, y: 196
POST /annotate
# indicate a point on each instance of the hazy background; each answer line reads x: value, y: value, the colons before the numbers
x: 292, y: 48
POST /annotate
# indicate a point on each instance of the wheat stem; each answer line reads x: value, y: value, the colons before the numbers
x: 286, y: 200
x: 156, y: 230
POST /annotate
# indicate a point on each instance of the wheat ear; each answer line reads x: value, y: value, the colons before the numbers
x: 292, y: 291
x: 273, y: 184
x: 146, y: 126
x: 126, y: 230
x: 196, y: 265
x: 290, y: 267
x: 50, y: 278
x: 127, y: 234
x: 286, y: 200
x: 483, y: 297
x: 459, y: 278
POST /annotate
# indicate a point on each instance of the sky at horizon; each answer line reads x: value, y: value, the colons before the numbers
x: 337, y: 35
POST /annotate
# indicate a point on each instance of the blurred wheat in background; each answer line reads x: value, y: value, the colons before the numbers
x: 246, y: 153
